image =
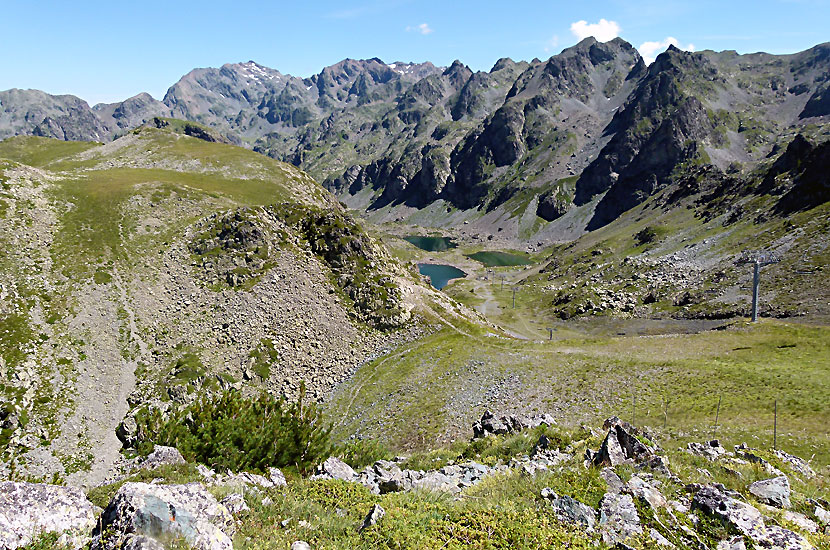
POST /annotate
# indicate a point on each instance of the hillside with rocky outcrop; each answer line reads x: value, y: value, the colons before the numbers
x: 159, y: 267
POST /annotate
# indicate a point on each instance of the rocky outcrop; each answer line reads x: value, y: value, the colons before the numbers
x: 620, y: 446
x: 160, y: 456
x: 569, y: 509
x: 29, y: 509
x: 775, y: 491
x: 747, y: 520
x: 618, y: 519
x: 490, y: 424
x: 165, y: 512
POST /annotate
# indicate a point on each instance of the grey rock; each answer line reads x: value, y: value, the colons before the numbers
x: 735, y: 543
x: 618, y: 519
x: 277, y: 477
x: 615, y: 484
x: 803, y: 522
x: 712, y: 450
x: 334, y: 468
x: 822, y: 515
x: 621, y: 445
x: 647, y: 492
x: 570, y: 509
x: 747, y: 520
x: 140, y: 542
x: 300, y: 545
x: 660, y: 539
x: 244, y: 479
x: 774, y: 491
x: 155, y: 511
x: 373, y: 517
x: 127, y: 432
x: 235, y: 503
x: 27, y: 509
x: 798, y: 465
x: 162, y: 455
x: 437, y: 482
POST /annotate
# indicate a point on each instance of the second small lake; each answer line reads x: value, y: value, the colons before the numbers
x: 494, y: 259
x: 440, y: 274
x: 431, y: 244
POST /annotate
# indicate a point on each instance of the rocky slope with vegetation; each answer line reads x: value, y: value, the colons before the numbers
x: 159, y: 267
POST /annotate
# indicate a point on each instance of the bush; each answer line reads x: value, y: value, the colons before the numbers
x: 232, y: 432
x: 360, y: 453
x: 646, y: 235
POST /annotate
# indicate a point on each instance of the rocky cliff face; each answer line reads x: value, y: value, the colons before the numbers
x: 526, y: 140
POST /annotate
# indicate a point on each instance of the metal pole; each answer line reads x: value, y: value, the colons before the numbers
x: 514, y: 297
x: 775, y: 428
x: 502, y: 282
x: 756, y: 283
x: 634, y: 411
x: 717, y: 415
x: 550, y: 332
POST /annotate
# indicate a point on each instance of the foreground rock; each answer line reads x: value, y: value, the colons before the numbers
x: 618, y: 519
x: 747, y: 520
x: 29, y: 509
x: 570, y: 509
x: 163, y: 512
x: 620, y: 446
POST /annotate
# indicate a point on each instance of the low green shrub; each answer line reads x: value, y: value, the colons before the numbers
x: 229, y: 431
x: 360, y: 453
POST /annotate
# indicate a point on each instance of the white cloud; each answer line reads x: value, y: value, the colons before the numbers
x: 423, y: 28
x: 603, y: 30
x: 650, y: 50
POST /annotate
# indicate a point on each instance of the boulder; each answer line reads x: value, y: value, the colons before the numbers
x: 235, y: 503
x: 277, y: 477
x: 243, y: 480
x: 797, y: 464
x: 747, y: 520
x: 615, y: 484
x: 490, y: 424
x: 166, y: 511
x: 712, y: 450
x: 300, y: 545
x: 774, y: 491
x: 803, y: 522
x: 373, y: 517
x: 641, y: 489
x: 334, y: 468
x: 734, y: 543
x: 570, y: 509
x: 621, y: 445
x: 160, y: 456
x: 140, y: 542
x: 618, y: 519
x: 28, y: 509
x: 436, y: 481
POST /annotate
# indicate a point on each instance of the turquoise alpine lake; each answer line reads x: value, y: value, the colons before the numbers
x: 431, y: 244
x: 440, y: 274
x: 495, y: 259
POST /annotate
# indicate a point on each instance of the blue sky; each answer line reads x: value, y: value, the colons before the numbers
x: 108, y: 51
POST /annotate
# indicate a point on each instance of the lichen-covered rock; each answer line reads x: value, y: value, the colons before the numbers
x: 235, y: 503
x: 27, y: 509
x: 775, y: 491
x: 373, y: 517
x: 618, y: 519
x: 162, y: 511
x: 162, y: 455
x: 570, y: 509
x: 621, y: 445
x: 747, y: 520
x: 334, y: 468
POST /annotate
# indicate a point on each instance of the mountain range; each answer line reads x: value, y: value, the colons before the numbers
x: 514, y: 148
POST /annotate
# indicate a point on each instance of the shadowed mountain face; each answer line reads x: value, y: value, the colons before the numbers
x: 590, y: 126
